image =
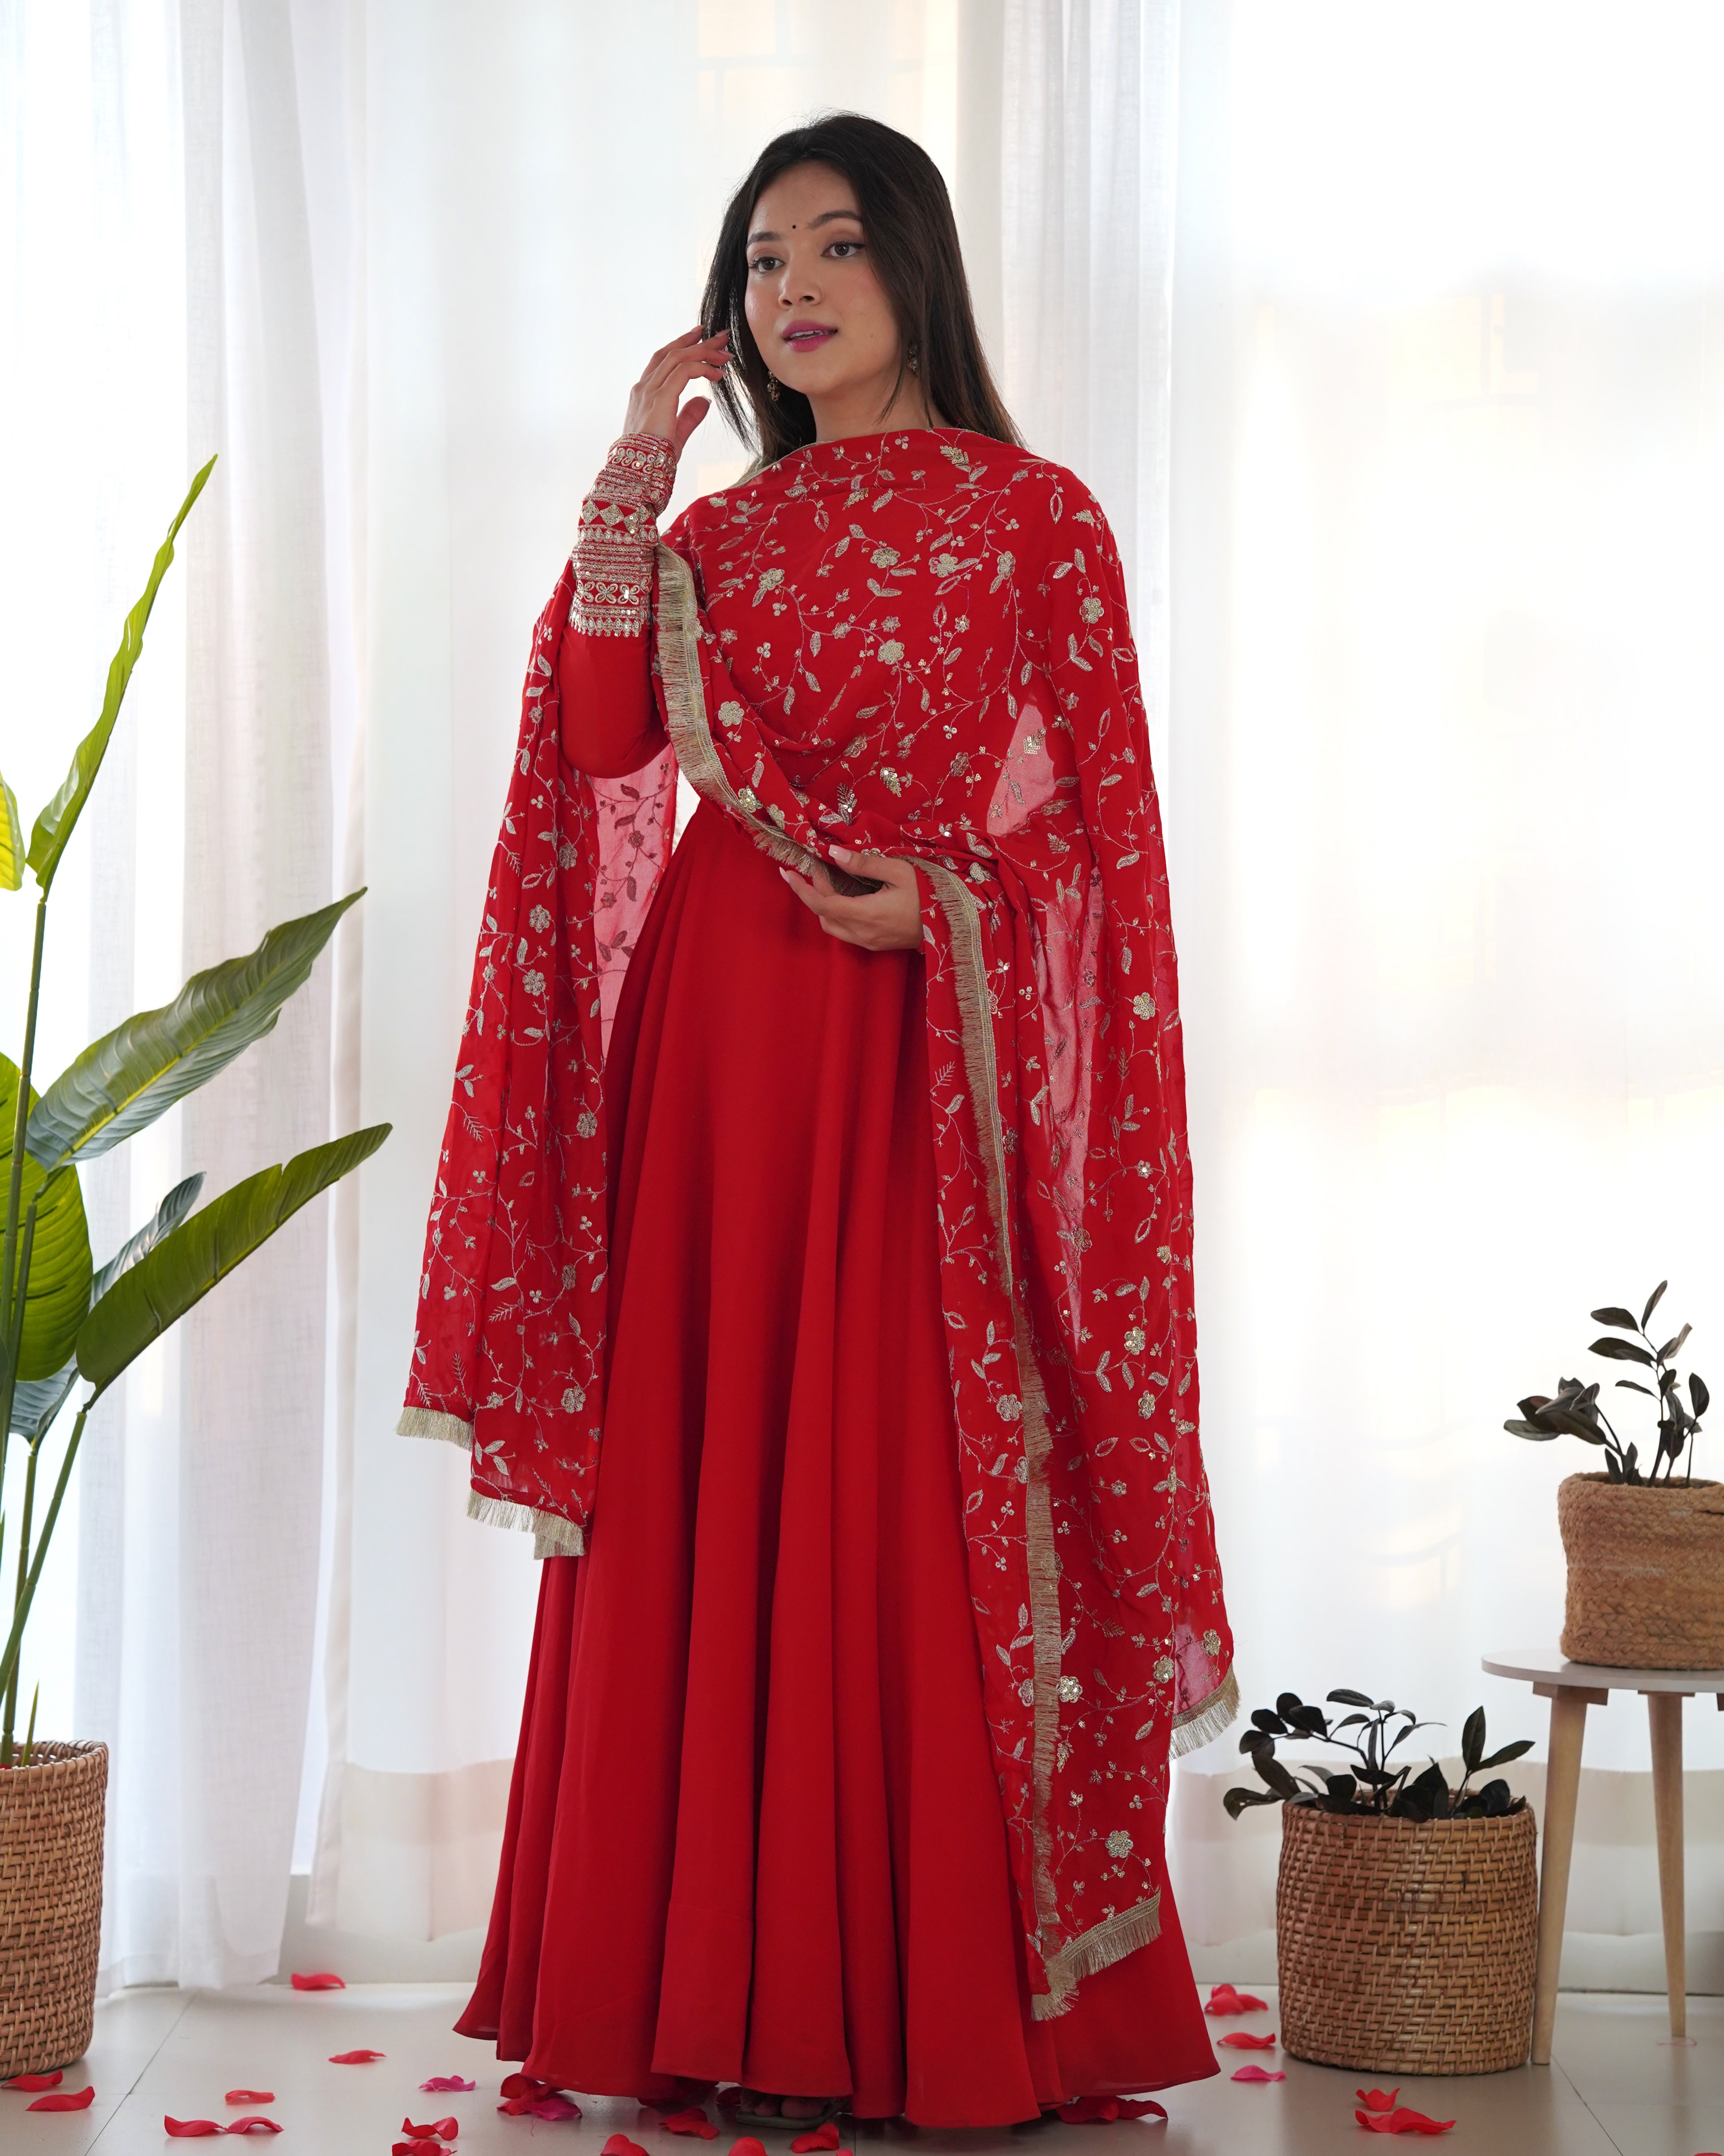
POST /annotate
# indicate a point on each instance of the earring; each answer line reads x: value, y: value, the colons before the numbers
x: 916, y: 357
x: 773, y: 385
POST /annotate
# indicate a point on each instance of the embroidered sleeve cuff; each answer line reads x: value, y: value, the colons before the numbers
x: 613, y: 552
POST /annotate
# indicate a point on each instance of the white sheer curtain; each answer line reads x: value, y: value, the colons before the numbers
x: 1448, y: 442
x: 159, y: 307
x: 541, y: 186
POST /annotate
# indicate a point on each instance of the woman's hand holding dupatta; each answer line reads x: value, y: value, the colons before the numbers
x: 889, y: 919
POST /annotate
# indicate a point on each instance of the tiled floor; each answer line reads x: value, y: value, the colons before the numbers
x: 1619, y: 2088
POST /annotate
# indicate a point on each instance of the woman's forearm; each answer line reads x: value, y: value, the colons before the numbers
x: 610, y: 724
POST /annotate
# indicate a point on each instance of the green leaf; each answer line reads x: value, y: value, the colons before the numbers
x: 1238, y: 1800
x: 1530, y: 1429
x: 1521, y: 1746
x: 58, y: 1292
x: 186, y: 1264
x: 122, y: 1083
x: 1612, y: 1316
x: 1653, y: 1301
x: 12, y: 840
x: 1472, y: 1740
x: 1675, y: 1347
x: 34, y: 1405
x: 1697, y: 1393
x: 55, y: 824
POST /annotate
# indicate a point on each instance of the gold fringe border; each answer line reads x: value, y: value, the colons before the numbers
x: 957, y: 902
x: 1095, y: 1950
x: 552, y: 1535
x: 1204, y: 1722
x: 676, y: 632
x: 427, y: 1422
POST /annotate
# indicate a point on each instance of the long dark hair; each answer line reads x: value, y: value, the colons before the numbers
x: 912, y: 237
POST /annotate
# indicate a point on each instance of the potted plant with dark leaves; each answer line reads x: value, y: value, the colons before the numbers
x: 64, y: 1323
x: 1406, y: 1909
x: 1645, y: 1545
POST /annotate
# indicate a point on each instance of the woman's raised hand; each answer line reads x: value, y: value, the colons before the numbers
x: 655, y: 400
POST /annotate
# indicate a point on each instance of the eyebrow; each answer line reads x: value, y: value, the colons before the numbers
x: 825, y: 217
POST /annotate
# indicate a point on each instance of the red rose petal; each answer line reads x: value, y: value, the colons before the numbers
x: 1088, y: 2110
x: 1140, y: 2106
x: 1256, y: 2074
x: 1402, y: 2121
x: 445, y: 2129
x: 824, y: 2135
x: 691, y: 2121
x: 322, y: 1980
x: 525, y: 2085
x: 619, y: 2144
x: 750, y: 2144
x: 1224, y: 1999
x: 445, y: 2084
x: 253, y: 2125
x: 34, y: 2081
x: 189, y: 2129
x: 729, y: 2099
x: 1377, y: 2099
x: 1242, y: 2040
x: 249, y: 2096
x: 76, y: 2100
x: 354, y: 2058
x: 416, y: 2148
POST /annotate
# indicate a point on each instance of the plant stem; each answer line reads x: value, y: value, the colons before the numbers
x: 15, y: 1185
x: 9, y: 1658
x: 10, y: 1722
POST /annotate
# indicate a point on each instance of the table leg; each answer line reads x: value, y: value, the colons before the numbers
x: 1664, y: 1711
x: 1561, y: 1793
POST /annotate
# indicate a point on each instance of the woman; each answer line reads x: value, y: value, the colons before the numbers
x: 832, y: 1171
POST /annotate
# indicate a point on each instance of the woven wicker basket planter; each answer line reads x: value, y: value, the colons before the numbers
x: 51, y: 1818
x: 1645, y: 1574
x: 1407, y: 1948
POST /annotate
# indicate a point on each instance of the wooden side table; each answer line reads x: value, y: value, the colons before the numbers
x: 1571, y: 1687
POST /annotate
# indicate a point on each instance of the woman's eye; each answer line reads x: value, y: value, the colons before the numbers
x: 764, y: 262
x: 849, y: 247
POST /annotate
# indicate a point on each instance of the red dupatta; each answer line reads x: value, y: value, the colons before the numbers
x: 915, y: 644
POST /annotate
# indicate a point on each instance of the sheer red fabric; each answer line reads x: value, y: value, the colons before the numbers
x: 756, y: 1831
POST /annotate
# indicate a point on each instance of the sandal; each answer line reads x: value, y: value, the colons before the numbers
x: 832, y: 2109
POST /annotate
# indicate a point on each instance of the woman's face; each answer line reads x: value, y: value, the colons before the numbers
x: 822, y: 322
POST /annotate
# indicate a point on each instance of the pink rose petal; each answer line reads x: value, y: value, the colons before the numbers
x: 446, y: 2085
x: 320, y: 1980
x: 249, y: 2096
x: 354, y: 2058
x: 1256, y: 2074
x: 1242, y: 2040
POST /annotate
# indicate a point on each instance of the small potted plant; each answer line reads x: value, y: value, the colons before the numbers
x: 63, y: 1321
x: 1645, y: 1545
x: 1406, y: 1912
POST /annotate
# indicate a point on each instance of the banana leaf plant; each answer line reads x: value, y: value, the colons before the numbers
x: 63, y: 1320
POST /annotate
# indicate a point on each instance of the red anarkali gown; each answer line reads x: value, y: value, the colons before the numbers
x: 755, y: 1831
